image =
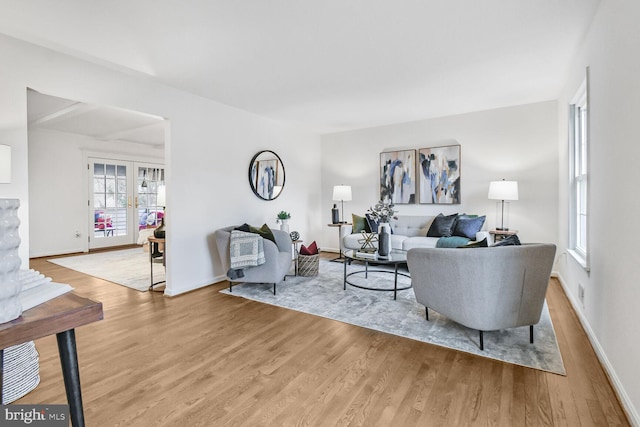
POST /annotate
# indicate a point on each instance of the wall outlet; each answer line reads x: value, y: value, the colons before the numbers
x: 581, y: 293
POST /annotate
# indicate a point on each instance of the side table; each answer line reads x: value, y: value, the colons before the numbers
x: 501, y: 234
x: 295, y: 244
x: 59, y: 316
x: 339, y: 225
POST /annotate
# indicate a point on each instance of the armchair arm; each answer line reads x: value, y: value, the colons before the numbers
x: 283, y: 240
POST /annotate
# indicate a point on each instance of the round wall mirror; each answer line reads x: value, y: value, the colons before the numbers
x: 266, y: 175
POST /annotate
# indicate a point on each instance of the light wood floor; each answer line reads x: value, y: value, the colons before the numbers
x: 208, y: 359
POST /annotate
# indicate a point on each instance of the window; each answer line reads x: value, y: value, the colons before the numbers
x: 578, y: 176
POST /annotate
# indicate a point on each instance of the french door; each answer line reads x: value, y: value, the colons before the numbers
x: 122, y: 200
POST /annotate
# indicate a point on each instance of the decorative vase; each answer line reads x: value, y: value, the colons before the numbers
x: 159, y: 232
x: 384, y: 240
x: 10, y: 285
x: 284, y: 224
x: 335, y: 214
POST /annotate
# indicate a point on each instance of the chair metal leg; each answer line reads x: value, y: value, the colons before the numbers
x: 426, y: 313
x: 230, y: 290
x: 274, y: 288
x: 481, y: 341
x: 531, y: 334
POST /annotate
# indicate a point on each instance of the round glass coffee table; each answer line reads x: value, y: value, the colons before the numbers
x: 395, y: 259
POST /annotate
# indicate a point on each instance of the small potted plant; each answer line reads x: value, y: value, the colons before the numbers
x: 283, y: 219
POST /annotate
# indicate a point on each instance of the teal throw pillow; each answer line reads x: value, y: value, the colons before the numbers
x: 451, y: 242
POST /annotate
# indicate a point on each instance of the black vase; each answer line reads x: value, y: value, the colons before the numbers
x: 384, y: 242
x: 159, y: 232
x: 335, y: 215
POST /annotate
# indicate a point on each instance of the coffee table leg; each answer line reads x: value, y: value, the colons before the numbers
x: 71, y: 375
x: 395, y: 283
x: 345, y: 275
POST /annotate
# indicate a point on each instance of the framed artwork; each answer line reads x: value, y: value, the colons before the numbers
x: 398, y: 176
x: 439, y: 174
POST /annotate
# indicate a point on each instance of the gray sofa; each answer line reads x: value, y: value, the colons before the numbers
x: 408, y: 232
x: 483, y: 288
x: 278, y: 258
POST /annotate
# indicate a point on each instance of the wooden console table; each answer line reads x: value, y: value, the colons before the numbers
x: 59, y: 316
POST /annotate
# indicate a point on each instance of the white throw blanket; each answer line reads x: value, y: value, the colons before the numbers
x: 246, y: 249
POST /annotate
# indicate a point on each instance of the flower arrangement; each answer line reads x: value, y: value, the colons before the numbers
x: 282, y: 215
x: 383, y: 211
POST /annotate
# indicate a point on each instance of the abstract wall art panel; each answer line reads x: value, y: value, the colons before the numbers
x: 398, y: 176
x: 439, y: 169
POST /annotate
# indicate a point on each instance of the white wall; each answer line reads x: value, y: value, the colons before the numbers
x: 610, y: 311
x: 516, y: 143
x: 207, y: 154
x: 58, y: 187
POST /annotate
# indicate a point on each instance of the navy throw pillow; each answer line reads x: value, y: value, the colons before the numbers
x: 442, y: 226
x: 373, y: 224
x: 467, y: 226
x: 512, y: 240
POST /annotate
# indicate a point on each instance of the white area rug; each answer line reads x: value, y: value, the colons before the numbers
x: 129, y: 267
x: 324, y: 296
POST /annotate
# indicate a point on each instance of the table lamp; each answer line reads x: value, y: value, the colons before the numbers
x: 342, y: 193
x: 503, y: 191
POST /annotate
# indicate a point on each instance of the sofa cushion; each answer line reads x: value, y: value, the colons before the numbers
x: 419, y: 242
x: 442, y: 226
x: 359, y: 224
x: 467, y: 226
x: 411, y: 225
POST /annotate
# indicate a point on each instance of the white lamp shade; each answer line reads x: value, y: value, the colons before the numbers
x: 5, y: 164
x: 162, y: 196
x: 503, y: 190
x: 341, y: 193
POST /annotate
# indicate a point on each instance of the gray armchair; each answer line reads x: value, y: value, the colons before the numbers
x: 277, y: 255
x: 483, y: 288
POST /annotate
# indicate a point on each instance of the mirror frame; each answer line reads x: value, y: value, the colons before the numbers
x: 252, y: 182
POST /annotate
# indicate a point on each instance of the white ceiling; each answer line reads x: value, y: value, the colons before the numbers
x: 98, y: 122
x: 329, y: 65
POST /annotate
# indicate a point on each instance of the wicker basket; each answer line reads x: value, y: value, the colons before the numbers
x: 308, y: 265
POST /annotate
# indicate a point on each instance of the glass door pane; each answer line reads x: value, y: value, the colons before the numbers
x: 149, y: 211
x: 110, y: 202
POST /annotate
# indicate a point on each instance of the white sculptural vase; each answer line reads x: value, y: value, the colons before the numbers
x: 284, y: 224
x: 10, y: 286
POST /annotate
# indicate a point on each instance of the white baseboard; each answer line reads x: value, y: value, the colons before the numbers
x: 171, y: 293
x: 627, y: 404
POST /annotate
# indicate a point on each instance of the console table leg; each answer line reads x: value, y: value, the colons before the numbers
x: 71, y: 375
